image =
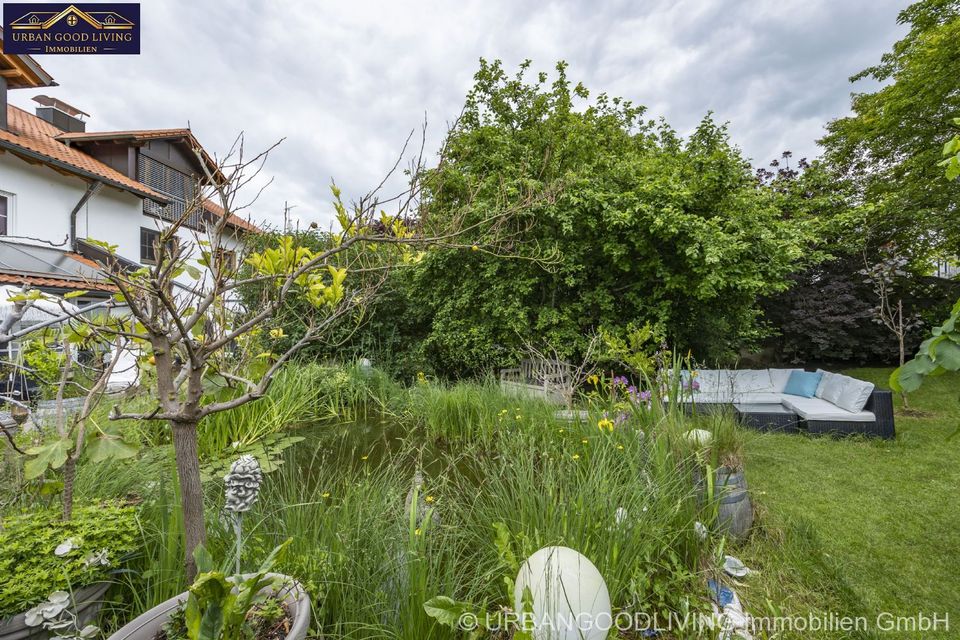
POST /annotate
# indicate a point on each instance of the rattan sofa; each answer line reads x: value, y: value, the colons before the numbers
x: 709, y: 390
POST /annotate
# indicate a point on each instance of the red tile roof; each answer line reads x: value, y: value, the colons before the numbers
x: 79, y: 283
x: 36, y: 138
x: 233, y: 220
x: 44, y: 142
x: 37, y: 281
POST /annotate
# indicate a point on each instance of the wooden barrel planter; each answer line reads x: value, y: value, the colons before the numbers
x: 89, y: 599
x: 734, y: 508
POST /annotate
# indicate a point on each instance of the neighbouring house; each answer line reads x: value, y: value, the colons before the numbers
x: 62, y: 186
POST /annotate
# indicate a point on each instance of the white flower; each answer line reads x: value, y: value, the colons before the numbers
x: 64, y: 548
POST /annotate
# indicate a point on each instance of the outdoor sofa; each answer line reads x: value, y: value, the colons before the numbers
x: 760, y: 397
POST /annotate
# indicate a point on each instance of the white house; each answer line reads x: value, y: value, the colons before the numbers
x: 61, y: 185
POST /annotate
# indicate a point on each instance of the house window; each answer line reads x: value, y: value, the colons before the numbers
x: 149, y: 239
x: 227, y: 260
x: 4, y: 214
x: 148, y: 245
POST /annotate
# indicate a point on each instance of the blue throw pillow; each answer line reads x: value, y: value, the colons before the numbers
x: 803, y: 383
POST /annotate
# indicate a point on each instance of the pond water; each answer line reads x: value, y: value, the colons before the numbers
x: 369, y: 442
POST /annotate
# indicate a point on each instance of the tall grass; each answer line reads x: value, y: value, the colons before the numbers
x: 473, y: 411
x: 505, y: 477
x: 621, y: 498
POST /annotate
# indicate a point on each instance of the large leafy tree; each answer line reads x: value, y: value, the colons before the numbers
x: 889, y: 147
x: 644, y: 227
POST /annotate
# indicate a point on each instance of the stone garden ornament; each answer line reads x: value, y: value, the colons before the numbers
x: 242, y: 485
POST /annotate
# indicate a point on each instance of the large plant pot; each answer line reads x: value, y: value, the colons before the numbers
x: 146, y: 626
x: 88, y: 601
x: 734, y: 509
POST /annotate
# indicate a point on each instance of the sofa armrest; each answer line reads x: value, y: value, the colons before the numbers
x: 880, y: 404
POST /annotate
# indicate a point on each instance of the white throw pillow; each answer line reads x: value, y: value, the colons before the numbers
x: 835, y: 389
x: 824, y: 382
x: 854, y: 395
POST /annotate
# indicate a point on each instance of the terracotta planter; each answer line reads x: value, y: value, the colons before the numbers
x: 88, y: 602
x: 146, y: 626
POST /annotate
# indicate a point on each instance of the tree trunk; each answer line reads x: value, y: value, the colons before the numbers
x: 69, y: 473
x: 191, y: 492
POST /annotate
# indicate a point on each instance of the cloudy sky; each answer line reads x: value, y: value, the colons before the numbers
x: 345, y: 82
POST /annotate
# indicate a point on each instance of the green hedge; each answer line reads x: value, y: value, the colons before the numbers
x: 31, y: 570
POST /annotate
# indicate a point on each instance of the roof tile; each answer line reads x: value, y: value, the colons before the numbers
x: 36, y: 135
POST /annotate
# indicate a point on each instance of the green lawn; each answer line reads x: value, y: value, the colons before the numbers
x: 858, y: 527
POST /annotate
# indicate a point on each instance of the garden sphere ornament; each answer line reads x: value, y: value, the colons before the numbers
x: 242, y: 487
x: 569, y: 597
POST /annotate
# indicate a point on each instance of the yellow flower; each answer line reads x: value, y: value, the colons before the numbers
x: 559, y: 430
x: 593, y: 379
x: 584, y: 441
x: 605, y: 423
x: 620, y: 447
x: 326, y: 494
x: 429, y: 499
x: 475, y: 248
x: 364, y: 457
x: 416, y: 531
x: 421, y: 377
x: 276, y: 333
x: 517, y: 417
x: 575, y: 456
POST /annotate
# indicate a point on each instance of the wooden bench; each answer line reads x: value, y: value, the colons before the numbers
x: 550, y: 380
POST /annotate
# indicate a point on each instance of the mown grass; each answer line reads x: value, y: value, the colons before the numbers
x: 861, y: 527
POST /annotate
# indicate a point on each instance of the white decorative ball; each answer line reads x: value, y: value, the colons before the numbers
x: 569, y: 596
x: 700, y: 437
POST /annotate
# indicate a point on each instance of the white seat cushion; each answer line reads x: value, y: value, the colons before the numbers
x: 701, y: 397
x: 820, y: 409
x: 760, y: 397
x: 779, y: 377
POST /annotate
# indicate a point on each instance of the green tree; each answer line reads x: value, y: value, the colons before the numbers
x: 888, y: 149
x: 647, y: 228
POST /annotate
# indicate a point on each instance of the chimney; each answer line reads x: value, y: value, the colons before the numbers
x: 60, y: 114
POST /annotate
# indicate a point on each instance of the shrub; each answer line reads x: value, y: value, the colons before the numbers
x: 30, y: 568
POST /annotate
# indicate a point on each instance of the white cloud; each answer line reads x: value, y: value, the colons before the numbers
x: 345, y: 83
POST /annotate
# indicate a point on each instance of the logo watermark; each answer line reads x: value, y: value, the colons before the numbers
x: 883, y: 622
x: 63, y: 28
